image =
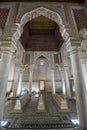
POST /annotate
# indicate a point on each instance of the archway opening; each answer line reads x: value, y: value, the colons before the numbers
x: 41, y: 34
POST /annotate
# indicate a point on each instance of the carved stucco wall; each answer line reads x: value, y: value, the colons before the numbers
x: 17, y: 10
x: 64, y: 10
x: 24, y: 8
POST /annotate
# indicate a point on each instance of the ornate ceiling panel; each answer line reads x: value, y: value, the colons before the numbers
x: 41, y: 22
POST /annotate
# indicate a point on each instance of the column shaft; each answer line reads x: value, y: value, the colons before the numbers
x: 80, y: 88
x: 20, y: 83
x: 53, y: 81
x: 15, y: 84
x: 67, y: 83
x: 30, y: 80
x: 63, y: 84
x: 84, y: 69
x: 5, y: 66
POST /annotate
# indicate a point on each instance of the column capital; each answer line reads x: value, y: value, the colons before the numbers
x: 84, y: 44
x: 9, y: 39
x: 61, y: 68
x: 66, y: 67
x: 52, y: 66
x: 31, y: 66
x: 83, y: 33
x: 22, y: 69
x: 83, y: 56
x: 84, y: 61
x: 74, y: 50
x: 73, y: 45
x: 18, y: 63
x: 17, y: 68
x: 70, y: 34
x: 8, y: 46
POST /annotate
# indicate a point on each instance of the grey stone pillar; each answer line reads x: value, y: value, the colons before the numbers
x: 15, y: 84
x: 63, y: 83
x: 81, y: 95
x: 30, y: 78
x: 5, y: 68
x: 53, y: 81
x: 11, y: 74
x: 84, y: 69
x: 20, y: 82
x: 68, y: 90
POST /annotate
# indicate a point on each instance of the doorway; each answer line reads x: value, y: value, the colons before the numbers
x: 41, y: 85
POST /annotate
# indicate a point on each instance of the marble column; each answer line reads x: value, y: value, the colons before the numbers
x: 84, y: 69
x: 53, y: 81
x: 81, y: 94
x: 15, y: 84
x: 63, y: 83
x: 0, y: 61
x: 5, y: 67
x: 20, y: 82
x: 68, y: 90
x: 30, y: 78
x: 11, y: 75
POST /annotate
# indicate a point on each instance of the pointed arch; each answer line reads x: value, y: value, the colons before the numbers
x: 42, y: 56
x: 54, y: 16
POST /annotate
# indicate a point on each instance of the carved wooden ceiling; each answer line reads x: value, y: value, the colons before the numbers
x: 41, y: 22
x: 69, y: 1
x: 41, y: 34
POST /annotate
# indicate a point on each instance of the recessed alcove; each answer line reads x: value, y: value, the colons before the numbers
x: 41, y: 34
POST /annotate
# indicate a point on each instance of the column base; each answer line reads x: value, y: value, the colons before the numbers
x: 17, y: 107
x: 41, y: 105
x: 64, y: 106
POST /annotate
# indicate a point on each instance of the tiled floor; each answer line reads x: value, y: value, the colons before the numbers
x: 29, y: 111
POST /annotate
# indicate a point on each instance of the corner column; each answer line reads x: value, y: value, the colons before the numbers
x: 84, y: 69
x: 63, y: 83
x: 5, y: 67
x: 68, y: 90
x: 79, y: 87
x: 30, y: 78
x: 53, y: 81
x: 20, y: 81
x: 15, y: 84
